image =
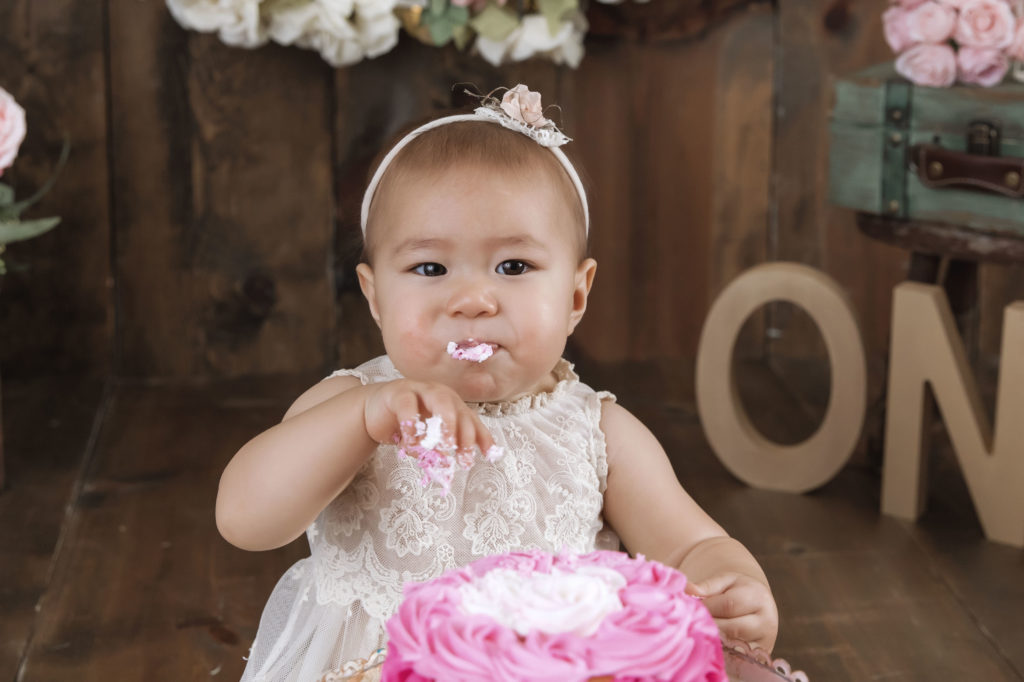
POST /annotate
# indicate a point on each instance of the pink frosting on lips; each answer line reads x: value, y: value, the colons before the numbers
x: 659, y: 633
x: 470, y: 349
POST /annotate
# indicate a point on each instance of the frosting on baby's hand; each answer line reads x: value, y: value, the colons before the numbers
x: 435, y: 451
x: 470, y: 350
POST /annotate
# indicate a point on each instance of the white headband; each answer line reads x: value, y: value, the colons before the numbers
x: 546, y: 135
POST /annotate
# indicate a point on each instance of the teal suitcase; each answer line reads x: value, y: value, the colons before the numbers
x: 937, y: 155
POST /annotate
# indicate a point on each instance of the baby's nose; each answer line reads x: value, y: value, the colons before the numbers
x: 472, y: 299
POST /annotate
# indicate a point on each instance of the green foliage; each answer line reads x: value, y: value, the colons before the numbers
x: 554, y: 10
x: 444, y: 20
x: 12, y: 227
x: 494, y: 22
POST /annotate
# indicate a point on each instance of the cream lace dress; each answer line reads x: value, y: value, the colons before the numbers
x: 385, y: 529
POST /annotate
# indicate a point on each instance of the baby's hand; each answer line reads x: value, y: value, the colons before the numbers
x: 742, y: 606
x: 392, y: 408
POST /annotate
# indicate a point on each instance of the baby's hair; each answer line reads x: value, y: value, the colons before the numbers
x: 483, y: 144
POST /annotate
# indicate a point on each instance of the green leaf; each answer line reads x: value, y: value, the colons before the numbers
x: 16, y: 230
x: 20, y: 206
x: 462, y: 35
x: 495, y: 23
x: 6, y: 195
x: 554, y: 10
x: 442, y: 19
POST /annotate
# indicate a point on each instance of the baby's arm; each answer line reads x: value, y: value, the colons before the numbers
x: 278, y: 482
x: 655, y: 517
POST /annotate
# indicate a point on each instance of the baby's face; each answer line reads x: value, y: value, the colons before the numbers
x: 470, y: 254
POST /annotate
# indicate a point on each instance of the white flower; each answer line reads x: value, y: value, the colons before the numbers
x: 321, y: 25
x: 377, y: 25
x: 12, y: 129
x: 532, y: 38
x: 288, y: 23
x: 378, y: 34
x: 237, y: 22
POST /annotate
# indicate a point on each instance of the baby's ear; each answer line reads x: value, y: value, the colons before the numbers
x: 365, y: 274
x: 584, y: 280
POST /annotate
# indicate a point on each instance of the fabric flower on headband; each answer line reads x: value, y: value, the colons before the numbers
x: 520, y: 109
x: 524, y: 105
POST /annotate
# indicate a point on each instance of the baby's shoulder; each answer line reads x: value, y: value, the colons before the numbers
x: 321, y: 391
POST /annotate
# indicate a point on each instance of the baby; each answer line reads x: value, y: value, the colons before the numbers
x: 475, y: 230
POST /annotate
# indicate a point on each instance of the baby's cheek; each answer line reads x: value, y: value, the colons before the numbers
x: 417, y: 345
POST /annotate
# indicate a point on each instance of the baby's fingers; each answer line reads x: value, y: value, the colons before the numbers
x: 750, y: 629
x: 735, y: 602
x: 713, y: 585
x: 471, y: 434
x: 405, y: 405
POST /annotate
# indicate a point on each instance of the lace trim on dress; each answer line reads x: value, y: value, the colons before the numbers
x: 600, y: 448
x: 362, y: 376
x: 565, y: 376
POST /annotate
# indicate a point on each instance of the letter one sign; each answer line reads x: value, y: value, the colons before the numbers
x: 925, y: 350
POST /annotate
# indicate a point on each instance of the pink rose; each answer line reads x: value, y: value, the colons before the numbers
x: 930, y: 22
x: 1016, y: 49
x: 12, y: 129
x: 985, y: 23
x: 524, y: 106
x: 927, y: 22
x: 982, y: 66
x: 931, y: 65
x: 896, y: 29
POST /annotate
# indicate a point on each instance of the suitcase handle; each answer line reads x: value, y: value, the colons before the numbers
x: 939, y: 168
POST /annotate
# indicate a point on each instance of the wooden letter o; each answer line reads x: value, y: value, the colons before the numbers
x: 750, y: 457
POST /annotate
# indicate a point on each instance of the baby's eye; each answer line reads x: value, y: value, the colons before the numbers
x: 430, y: 269
x: 512, y: 267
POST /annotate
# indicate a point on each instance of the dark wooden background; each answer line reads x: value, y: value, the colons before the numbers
x: 211, y: 198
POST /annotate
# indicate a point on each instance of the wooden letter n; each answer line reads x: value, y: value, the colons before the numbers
x: 926, y: 349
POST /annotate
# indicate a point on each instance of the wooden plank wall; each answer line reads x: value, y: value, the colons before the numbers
x: 56, y: 303
x: 210, y: 204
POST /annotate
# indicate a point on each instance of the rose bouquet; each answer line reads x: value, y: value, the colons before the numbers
x: 940, y: 42
x: 346, y: 31
x: 12, y: 133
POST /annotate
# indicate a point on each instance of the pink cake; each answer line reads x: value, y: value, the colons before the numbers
x: 535, y: 617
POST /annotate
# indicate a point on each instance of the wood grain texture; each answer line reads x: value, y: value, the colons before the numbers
x: 742, y: 173
x: 55, y: 307
x: 661, y: 21
x: 662, y: 228
x: 46, y: 441
x: 819, y: 41
x: 144, y: 587
x: 224, y: 202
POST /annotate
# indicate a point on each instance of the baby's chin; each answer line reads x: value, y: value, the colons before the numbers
x: 480, y: 387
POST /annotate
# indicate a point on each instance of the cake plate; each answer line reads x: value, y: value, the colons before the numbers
x: 743, y: 664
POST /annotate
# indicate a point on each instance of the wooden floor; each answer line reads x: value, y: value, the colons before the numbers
x: 111, y: 567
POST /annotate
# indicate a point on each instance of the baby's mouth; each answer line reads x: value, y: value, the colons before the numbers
x: 471, y: 349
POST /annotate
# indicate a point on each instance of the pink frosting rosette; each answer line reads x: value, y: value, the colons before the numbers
x: 532, y: 616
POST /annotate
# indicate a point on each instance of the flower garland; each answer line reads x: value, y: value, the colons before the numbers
x: 344, y: 32
x: 940, y: 42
